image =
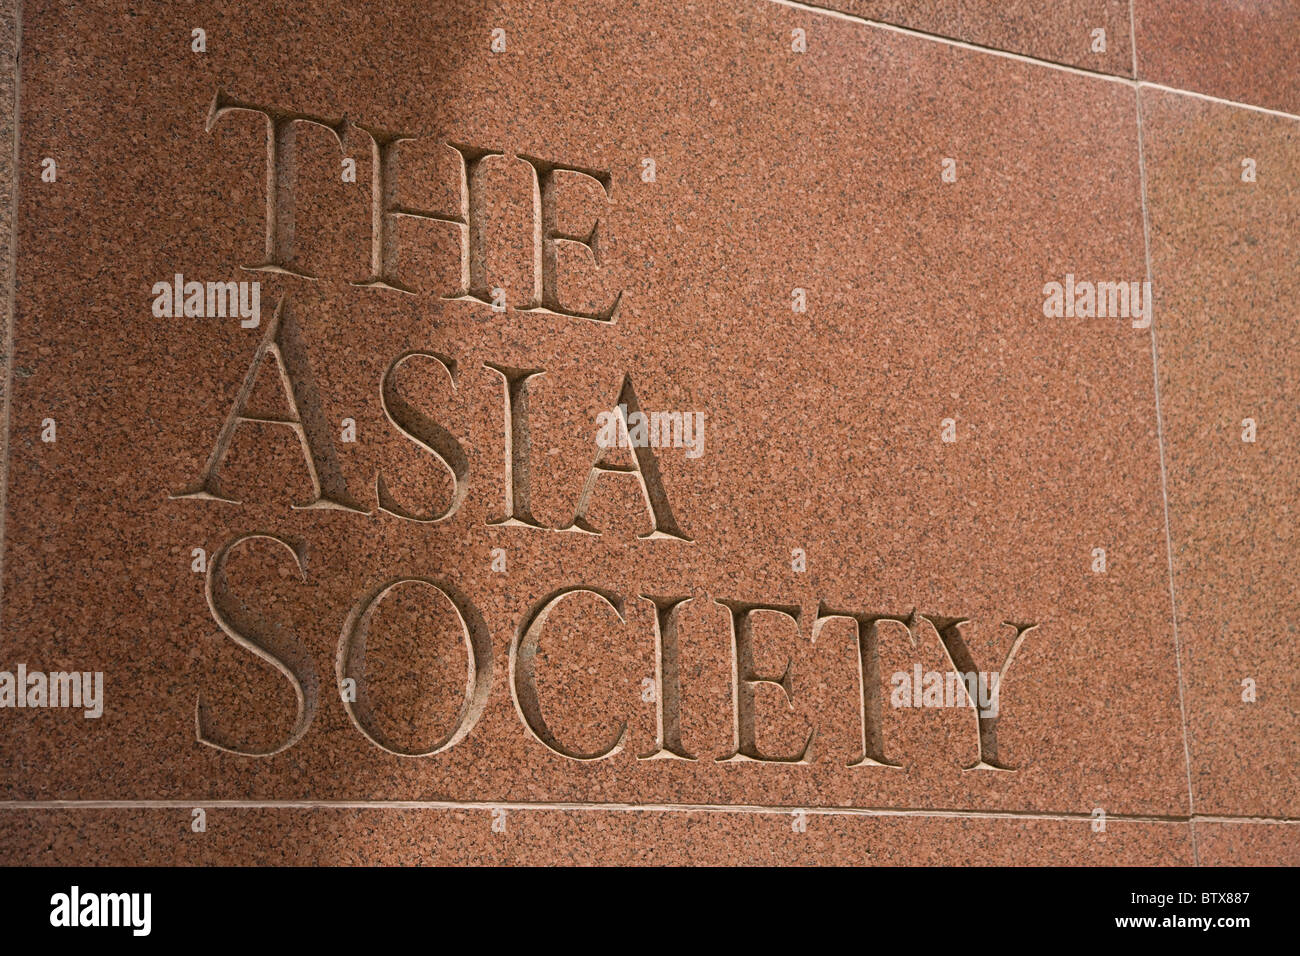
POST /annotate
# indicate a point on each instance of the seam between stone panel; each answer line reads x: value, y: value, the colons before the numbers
x: 181, y: 804
x: 1025, y: 58
x: 1137, y: 86
x: 1267, y: 111
x: 950, y: 41
x: 1160, y: 442
x: 5, y: 436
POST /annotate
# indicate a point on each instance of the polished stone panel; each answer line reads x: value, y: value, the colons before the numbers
x: 1089, y: 34
x: 424, y: 837
x: 1243, y: 50
x: 1224, y: 191
x: 321, y: 327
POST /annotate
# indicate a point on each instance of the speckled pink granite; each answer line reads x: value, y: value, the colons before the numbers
x: 1225, y: 250
x: 1244, y: 50
x: 332, y: 837
x: 1064, y: 31
x: 1249, y: 844
x: 774, y: 171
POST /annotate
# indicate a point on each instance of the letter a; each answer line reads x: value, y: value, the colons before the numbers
x: 646, y: 471
x: 312, y: 429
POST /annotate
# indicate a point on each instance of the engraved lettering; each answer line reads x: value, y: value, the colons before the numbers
x: 309, y: 426
x: 429, y: 435
x: 518, y: 447
x: 666, y: 687
x: 959, y: 657
x: 646, y: 471
x: 744, y: 681
x: 384, y: 207
x: 523, y: 684
x: 546, y: 234
x: 873, y: 742
x: 349, y: 664
x: 281, y: 175
x: 300, y: 672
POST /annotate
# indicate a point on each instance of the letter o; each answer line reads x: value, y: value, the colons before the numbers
x: 478, y: 642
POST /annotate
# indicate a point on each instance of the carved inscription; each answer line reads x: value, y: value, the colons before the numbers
x: 279, y: 256
x: 301, y: 674
x: 281, y: 349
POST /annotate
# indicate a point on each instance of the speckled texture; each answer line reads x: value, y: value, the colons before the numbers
x: 1060, y: 31
x: 1248, y: 844
x: 552, y: 837
x: 1224, y: 254
x: 1243, y: 50
x: 935, y: 290
x: 8, y: 93
x: 774, y: 171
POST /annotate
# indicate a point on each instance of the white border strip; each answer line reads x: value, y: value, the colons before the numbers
x: 1160, y: 444
x: 616, y: 807
x: 1023, y: 58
